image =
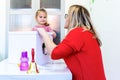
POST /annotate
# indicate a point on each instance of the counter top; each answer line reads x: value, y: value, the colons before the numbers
x: 10, y: 71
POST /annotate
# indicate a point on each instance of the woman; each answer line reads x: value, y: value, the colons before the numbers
x: 80, y: 49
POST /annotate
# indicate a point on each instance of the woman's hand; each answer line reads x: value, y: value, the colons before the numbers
x: 50, y: 45
x: 42, y: 32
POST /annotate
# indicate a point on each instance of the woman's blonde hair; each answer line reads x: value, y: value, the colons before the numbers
x: 79, y: 17
x: 43, y: 10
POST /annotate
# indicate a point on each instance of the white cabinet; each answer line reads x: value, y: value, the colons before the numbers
x: 20, y: 15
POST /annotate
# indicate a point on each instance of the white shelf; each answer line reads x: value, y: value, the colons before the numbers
x: 12, y: 72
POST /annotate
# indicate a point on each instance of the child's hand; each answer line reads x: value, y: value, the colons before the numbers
x: 54, y: 34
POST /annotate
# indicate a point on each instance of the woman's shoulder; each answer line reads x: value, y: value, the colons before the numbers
x: 78, y: 29
x: 75, y: 32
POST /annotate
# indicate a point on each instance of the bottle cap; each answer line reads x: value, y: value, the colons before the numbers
x: 24, y: 54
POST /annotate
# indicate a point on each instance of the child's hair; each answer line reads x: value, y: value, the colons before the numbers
x: 43, y: 10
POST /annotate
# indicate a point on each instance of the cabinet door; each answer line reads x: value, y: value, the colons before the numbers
x: 19, y: 22
x: 20, y: 14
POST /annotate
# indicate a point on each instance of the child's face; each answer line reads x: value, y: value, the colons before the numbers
x: 42, y: 18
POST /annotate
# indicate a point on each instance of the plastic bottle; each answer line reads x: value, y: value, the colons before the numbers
x: 24, y: 61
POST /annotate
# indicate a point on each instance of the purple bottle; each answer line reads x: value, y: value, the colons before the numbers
x: 24, y: 61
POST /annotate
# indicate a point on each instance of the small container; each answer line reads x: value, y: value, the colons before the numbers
x: 24, y: 61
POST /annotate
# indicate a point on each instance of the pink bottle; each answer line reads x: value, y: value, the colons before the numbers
x: 24, y: 61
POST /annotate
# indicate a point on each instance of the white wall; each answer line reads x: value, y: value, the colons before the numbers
x: 68, y: 3
x: 106, y: 18
x: 2, y: 28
